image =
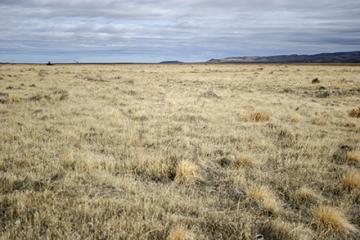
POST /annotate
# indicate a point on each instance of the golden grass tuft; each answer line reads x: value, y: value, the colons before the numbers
x: 265, y: 197
x: 305, y: 195
x: 244, y: 161
x: 351, y: 180
x: 181, y: 233
x: 187, y: 172
x: 320, y: 121
x: 259, y: 117
x: 332, y: 219
x: 353, y: 156
x: 14, y: 99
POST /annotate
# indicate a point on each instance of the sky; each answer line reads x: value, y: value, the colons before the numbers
x: 185, y: 30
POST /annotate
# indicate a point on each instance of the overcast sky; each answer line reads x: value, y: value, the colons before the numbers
x: 187, y: 30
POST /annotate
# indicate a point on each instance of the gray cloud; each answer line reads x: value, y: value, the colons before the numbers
x: 190, y: 30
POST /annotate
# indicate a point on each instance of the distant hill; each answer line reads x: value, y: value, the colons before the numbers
x: 170, y: 62
x: 338, y: 57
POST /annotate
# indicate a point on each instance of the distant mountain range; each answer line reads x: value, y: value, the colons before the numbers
x: 338, y: 57
x: 171, y: 62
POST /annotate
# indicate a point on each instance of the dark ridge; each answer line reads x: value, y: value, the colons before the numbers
x: 337, y: 57
x: 170, y: 62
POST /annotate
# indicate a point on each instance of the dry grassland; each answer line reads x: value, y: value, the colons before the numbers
x: 179, y: 152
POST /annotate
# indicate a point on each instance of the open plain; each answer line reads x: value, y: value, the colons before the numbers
x: 182, y: 151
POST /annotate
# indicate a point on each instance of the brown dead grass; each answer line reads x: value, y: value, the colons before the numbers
x: 353, y: 156
x: 187, y: 172
x: 181, y: 233
x: 265, y: 197
x: 332, y: 219
x: 146, y: 152
x: 259, y: 117
x: 351, y: 180
x: 304, y: 196
x: 244, y: 161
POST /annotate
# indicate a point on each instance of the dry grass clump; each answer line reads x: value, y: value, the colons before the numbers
x: 321, y: 120
x: 244, y: 161
x: 351, y: 180
x: 179, y: 232
x: 187, y: 172
x: 305, y: 196
x: 14, y: 99
x: 265, y: 197
x: 158, y: 167
x: 333, y: 220
x: 146, y: 152
x: 280, y: 230
x: 259, y: 117
x: 355, y: 113
x: 353, y: 156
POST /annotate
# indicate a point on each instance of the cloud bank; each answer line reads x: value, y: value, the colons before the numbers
x: 187, y: 30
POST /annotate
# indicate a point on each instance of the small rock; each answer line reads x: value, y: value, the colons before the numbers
x: 225, y: 162
x: 345, y: 147
x: 315, y: 80
x: 355, y: 113
x: 259, y: 237
x: 130, y: 82
x: 238, y: 194
x: 323, y: 94
x: 4, y: 98
x: 340, y: 155
x: 209, y: 94
x: 36, y: 97
x: 287, y: 90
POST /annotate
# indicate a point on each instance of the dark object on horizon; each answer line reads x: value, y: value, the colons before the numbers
x: 171, y: 62
x: 49, y: 63
x: 338, y: 57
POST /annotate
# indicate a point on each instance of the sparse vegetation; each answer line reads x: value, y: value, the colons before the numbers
x: 259, y: 117
x: 354, y: 156
x: 244, y: 161
x: 332, y: 219
x: 187, y: 172
x: 305, y: 196
x: 181, y: 233
x: 352, y: 180
x: 265, y: 198
x: 179, y: 152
